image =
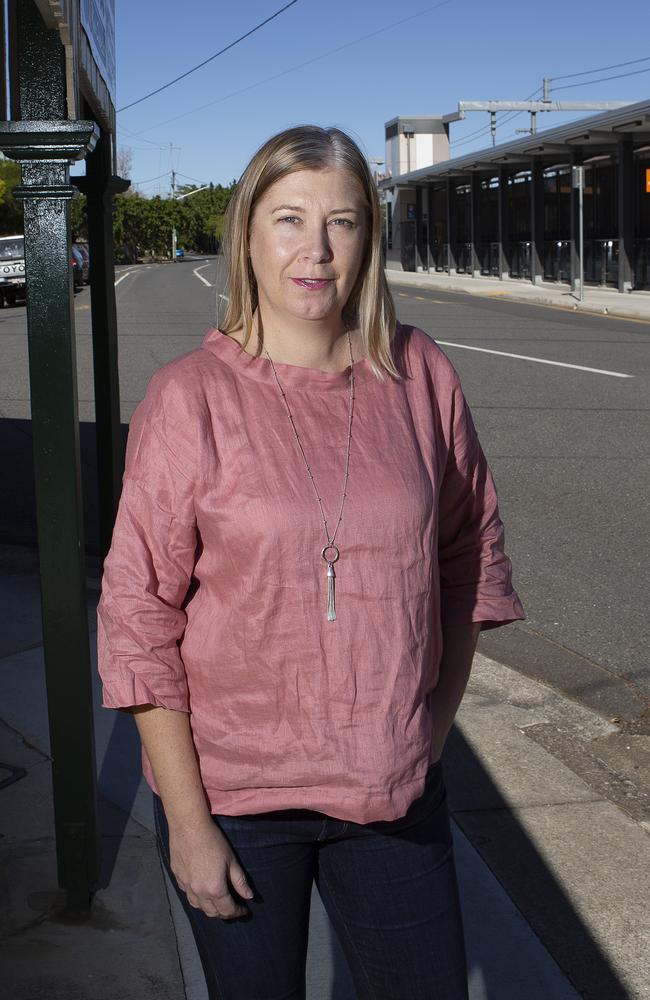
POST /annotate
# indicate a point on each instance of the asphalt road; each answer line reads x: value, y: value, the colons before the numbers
x: 568, y: 448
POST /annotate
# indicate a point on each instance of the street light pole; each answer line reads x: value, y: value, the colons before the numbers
x: 578, y: 179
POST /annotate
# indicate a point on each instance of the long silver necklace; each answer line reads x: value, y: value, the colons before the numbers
x: 330, y: 547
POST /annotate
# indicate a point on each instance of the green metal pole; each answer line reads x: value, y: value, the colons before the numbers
x: 44, y: 149
x: 99, y: 185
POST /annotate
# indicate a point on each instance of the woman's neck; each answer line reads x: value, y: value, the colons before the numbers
x: 326, y: 350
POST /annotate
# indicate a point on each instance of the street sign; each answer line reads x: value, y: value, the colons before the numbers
x: 647, y: 180
x: 578, y: 177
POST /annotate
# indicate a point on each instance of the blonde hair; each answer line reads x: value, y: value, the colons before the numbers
x: 308, y: 147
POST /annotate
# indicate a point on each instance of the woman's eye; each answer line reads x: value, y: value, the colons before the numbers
x: 289, y: 218
x: 346, y: 223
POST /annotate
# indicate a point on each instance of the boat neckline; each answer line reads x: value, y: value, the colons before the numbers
x: 261, y: 369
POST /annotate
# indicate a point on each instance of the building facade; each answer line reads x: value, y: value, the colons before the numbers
x: 512, y: 210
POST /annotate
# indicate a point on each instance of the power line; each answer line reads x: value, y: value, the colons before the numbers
x: 195, y: 179
x: 292, y: 69
x: 210, y: 58
x: 152, y: 179
x: 158, y: 145
x: 601, y: 79
x: 600, y: 69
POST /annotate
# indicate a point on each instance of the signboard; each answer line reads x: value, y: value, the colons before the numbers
x: 410, y: 211
x: 647, y: 180
x: 98, y: 21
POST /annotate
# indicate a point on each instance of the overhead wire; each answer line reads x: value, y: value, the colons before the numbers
x: 601, y: 79
x: 292, y: 69
x: 187, y: 177
x: 150, y: 180
x: 600, y: 69
x: 210, y: 58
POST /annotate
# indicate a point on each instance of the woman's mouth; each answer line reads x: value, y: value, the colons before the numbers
x: 313, y: 283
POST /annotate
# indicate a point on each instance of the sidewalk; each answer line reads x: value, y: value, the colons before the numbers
x: 554, y: 877
x: 604, y: 301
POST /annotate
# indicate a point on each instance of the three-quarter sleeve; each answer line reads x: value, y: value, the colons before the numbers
x: 147, y: 573
x: 475, y: 572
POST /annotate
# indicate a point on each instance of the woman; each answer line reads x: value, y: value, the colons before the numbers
x: 307, y: 546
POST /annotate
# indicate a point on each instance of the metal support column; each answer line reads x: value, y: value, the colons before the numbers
x: 575, y: 160
x: 99, y: 185
x: 44, y: 144
x: 419, y: 262
x: 537, y: 222
x: 626, y: 194
x: 451, y: 226
x: 504, y: 224
x: 431, y: 229
x: 475, y: 223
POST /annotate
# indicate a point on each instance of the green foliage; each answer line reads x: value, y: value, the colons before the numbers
x: 143, y: 226
x: 78, y: 218
x: 11, y: 210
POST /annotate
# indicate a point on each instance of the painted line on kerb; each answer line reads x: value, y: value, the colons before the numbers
x: 540, y: 361
x: 200, y: 276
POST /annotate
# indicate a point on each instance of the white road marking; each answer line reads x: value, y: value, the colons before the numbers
x: 200, y: 276
x: 125, y: 275
x: 540, y: 361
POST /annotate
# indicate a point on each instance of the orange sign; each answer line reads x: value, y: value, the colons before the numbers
x: 647, y: 180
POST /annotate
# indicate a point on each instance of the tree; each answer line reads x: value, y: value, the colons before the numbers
x: 11, y: 210
x: 124, y: 162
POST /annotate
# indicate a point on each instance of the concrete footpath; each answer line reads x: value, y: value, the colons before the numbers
x: 599, y: 300
x: 554, y: 876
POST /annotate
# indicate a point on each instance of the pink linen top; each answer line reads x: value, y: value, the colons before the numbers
x: 214, y: 596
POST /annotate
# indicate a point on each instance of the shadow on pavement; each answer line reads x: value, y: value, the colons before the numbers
x: 490, y: 824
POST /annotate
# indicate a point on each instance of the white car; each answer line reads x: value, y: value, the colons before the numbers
x: 12, y: 269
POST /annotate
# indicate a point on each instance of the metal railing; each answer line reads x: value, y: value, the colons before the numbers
x: 488, y: 256
x: 601, y: 262
x: 520, y: 257
x: 557, y: 261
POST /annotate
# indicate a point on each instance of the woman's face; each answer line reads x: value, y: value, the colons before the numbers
x: 306, y: 242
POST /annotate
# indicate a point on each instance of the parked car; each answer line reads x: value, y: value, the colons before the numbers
x: 85, y: 253
x: 180, y: 252
x: 77, y: 263
x: 12, y: 269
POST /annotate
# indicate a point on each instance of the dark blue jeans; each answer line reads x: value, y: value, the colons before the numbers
x: 389, y: 888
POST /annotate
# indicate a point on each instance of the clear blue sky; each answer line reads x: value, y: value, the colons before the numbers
x: 470, y: 50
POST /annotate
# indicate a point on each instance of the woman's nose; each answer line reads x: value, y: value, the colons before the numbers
x: 317, y: 245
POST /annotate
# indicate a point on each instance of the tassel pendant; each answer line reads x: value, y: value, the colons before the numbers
x: 331, y: 606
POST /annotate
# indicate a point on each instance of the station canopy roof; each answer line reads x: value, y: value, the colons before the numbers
x: 595, y: 136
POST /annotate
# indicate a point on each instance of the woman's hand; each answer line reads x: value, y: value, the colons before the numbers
x: 207, y: 870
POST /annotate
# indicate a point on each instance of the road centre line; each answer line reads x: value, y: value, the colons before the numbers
x: 540, y: 361
x: 200, y: 276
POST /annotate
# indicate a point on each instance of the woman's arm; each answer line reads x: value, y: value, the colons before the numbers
x: 459, y: 644
x: 203, y: 862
